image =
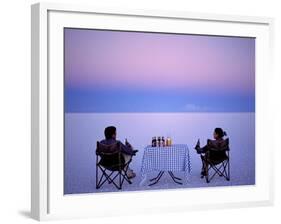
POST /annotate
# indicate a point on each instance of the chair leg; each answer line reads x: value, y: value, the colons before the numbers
x: 120, y: 179
x: 207, y: 179
x: 125, y: 176
x: 97, y: 178
x: 105, y: 177
x: 100, y: 181
x: 115, y: 184
x: 228, y: 171
x: 222, y: 170
x: 97, y: 172
x: 203, y: 166
x: 207, y: 173
x: 225, y: 170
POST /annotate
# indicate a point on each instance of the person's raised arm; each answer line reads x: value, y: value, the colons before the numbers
x: 126, y: 149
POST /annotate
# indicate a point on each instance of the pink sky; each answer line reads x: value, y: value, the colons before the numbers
x: 98, y: 58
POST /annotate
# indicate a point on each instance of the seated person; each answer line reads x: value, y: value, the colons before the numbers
x: 127, y: 150
x: 217, y: 155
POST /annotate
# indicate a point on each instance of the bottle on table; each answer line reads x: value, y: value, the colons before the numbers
x: 154, y: 142
x: 159, y: 141
x: 168, y: 141
x: 163, y: 141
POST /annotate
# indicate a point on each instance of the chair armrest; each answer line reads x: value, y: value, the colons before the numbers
x: 135, y: 152
x: 127, y: 163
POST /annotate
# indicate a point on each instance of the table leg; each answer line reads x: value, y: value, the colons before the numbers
x: 156, y: 177
x: 175, y: 179
x: 171, y: 173
x: 160, y: 174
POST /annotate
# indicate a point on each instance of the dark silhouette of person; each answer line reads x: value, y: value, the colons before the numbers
x: 127, y: 150
x: 218, y: 155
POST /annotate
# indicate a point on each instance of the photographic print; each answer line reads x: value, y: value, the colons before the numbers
x: 157, y: 111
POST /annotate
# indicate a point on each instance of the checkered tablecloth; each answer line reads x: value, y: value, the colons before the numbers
x: 171, y: 158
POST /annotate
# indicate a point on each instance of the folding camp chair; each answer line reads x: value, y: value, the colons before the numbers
x: 111, y: 163
x: 217, y: 160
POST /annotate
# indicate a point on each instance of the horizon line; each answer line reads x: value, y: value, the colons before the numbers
x: 221, y: 112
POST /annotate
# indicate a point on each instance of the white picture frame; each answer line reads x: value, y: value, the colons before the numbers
x: 47, y: 199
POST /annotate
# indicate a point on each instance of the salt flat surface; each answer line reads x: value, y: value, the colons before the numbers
x: 82, y: 130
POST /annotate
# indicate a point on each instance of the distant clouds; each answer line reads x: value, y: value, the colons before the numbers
x: 194, y: 108
x: 110, y: 71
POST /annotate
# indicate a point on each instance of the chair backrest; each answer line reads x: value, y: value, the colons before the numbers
x: 222, y: 145
x: 103, y: 149
x: 110, y: 155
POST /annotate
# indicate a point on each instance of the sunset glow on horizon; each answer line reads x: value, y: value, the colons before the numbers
x: 119, y: 71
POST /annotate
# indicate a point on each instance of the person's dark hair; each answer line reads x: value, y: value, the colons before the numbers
x: 109, y: 131
x: 220, y: 132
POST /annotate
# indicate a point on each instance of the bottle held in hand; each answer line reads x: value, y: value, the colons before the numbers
x: 197, y: 146
x: 127, y: 143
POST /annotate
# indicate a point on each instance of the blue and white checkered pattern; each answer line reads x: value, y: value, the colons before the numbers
x: 169, y: 158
